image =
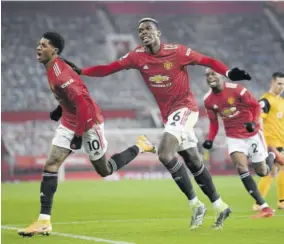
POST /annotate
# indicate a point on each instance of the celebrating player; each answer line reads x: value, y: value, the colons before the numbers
x: 163, y: 68
x: 240, y: 112
x: 272, y: 105
x: 81, y: 124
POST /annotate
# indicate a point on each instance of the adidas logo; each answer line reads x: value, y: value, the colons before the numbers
x: 41, y: 194
x: 145, y: 67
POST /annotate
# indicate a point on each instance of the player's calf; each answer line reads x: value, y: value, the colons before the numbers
x: 117, y: 161
x: 200, y: 173
x: 240, y: 161
x: 106, y: 167
x: 48, y: 188
x: 167, y: 151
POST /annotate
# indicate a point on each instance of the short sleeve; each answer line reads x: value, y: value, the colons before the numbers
x: 265, y: 107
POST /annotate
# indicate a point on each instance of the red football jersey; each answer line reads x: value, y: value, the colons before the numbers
x: 165, y: 75
x: 236, y: 106
x: 71, y: 93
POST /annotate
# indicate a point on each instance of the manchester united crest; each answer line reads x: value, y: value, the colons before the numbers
x: 231, y: 100
x: 168, y: 65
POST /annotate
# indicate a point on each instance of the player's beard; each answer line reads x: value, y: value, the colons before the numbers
x: 151, y: 47
x: 217, y: 89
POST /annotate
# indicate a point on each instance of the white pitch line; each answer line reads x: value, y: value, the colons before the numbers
x: 138, y: 220
x: 81, y: 237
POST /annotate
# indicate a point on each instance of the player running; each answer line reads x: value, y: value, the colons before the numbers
x: 164, y: 70
x: 272, y: 105
x: 240, y: 113
x: 81, y: 124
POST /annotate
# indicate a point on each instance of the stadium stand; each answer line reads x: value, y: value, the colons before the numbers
x: 243, y: 39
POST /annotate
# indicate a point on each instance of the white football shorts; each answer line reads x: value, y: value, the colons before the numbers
x: 180, y: 124
x: 254, y: 147
x: 94, y: 141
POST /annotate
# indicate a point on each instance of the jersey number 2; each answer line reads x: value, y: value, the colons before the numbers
x: 254, y: 147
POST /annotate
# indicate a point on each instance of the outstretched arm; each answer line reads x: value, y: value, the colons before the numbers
x: 191, y: 57
x: 128, y: 61
x: 102, y: 70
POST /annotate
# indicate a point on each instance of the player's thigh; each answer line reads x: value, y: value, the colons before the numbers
x: 240, y: 161
x: 180, y: 124
x: 56, y: 157
x: 94, y: 142
x: 167, y: 148
x: 60, y: 149
x: 257, y: 148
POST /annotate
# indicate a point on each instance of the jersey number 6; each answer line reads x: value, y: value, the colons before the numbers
x: 176, y: 116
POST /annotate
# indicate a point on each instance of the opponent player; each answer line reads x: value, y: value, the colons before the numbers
x: 240, y: 113
x: 81, y: 124
x: 163, y: 68
x: 272, y: 105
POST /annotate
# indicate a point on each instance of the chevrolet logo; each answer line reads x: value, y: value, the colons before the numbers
x: 158, y: 78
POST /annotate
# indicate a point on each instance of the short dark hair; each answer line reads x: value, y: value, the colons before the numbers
x: 147, y: 19
x: 277, y: 75
x: 56, y: 40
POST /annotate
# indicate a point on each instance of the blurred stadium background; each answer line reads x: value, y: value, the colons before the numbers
x: 245, y: 34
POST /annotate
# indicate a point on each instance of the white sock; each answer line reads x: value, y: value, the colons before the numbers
x: 44, y: 217
x: 140, y: 149
x: 217, y: 203
x: 193, y: 201
x: 265, y: 205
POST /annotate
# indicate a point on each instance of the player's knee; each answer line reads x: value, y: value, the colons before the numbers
x: 165, y: 157
x: 52, y: 165
x: 192, y: 159
x: 104, y: 173
x: 241, y: 167
x: 261, y: 172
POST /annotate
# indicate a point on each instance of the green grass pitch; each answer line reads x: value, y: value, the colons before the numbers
x: 141, y: 212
